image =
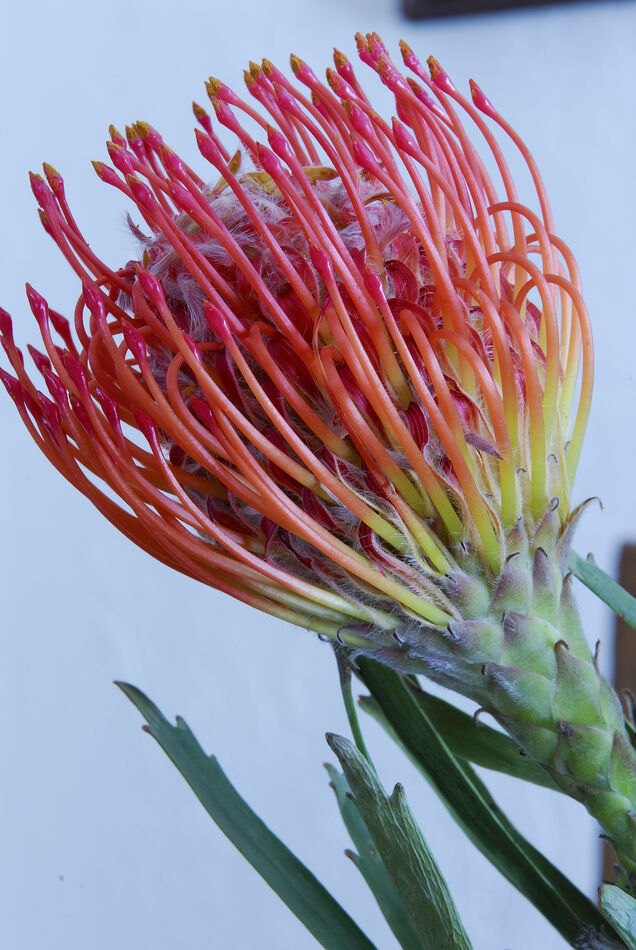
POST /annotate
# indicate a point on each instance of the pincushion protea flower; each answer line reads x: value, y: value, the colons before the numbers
x: 348, y: 386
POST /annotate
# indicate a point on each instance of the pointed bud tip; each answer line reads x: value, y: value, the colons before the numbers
x: 480, y: 100
x: 296, y: 63
x: 150, y: 284
x: 77, y: 372
x: 216, y: 320
x: 53, y: 177
x: 141, y: 192
x: 12, y: 385
x: 146, y: 425
x: 135, y: 342
x: 439, y: 76
x: 6, y: 324
x: 38, y: 304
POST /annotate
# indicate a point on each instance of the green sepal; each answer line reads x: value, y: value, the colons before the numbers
x: 410, y: 865
x: 622, y: 776
x: 514, y: 587
x: 582, y: 752
x: 371, y: 865
x: 469, y: 739
x: 576, y: 695
x: 475, y: 810
x: 540, y: 743
x: 519, y: 694
x: 604, y: 586
x: 546, y: 586
x: 620, y: 909
x: 528, y: 643
x: 286, y: 875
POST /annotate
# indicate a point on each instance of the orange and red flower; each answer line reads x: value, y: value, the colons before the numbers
x: 342, y: 379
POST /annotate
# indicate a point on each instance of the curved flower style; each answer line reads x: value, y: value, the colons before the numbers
x: 348, y: 386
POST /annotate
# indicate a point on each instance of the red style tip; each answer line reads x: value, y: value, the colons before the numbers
x: 109, y: 407
x: 182, y: 197
x: 41, y: 361
x: 141, y: 193
x: 216, y: 320
x: 272, y: 72
x: 12, y: 385
x: 149, y: 134
x: 40, y: 191
x: 481, y: 101
x: 193, y: 347
x: 80, y: 413
x: 54, y: 179
x: 6, y: 324
x: 77, y: 373
x: 390, y: 76
x: 338, y: 85
x: 439, y: 76
x: 225, y: 93
x: 46, y: 224
x: 172, y: 163
x: 374, y: 285
x: 50, y: 414
x: 364, y: 156
x: 360, y: 121
x: 61, y: 325
x: 322, y: 263
x: 39, y: 306
x: 301, y: 70
x: 403, y: 139
x: 133, y: 137
x: 106, y: 174
x: 268, y: 161
x: 56, y: 388
x: 93, y: 300
x: 203, y: 412
x: 147, y: 427
x: 116, y: 136
x: 208, y: 148
x: 280, y: 145
x: 343, y: 65
x: 135, y: 342
x: 120, y: 158
x: 150, y: 285
x: 408, y: 56
x: 285, y: 100
x: 223, y: 113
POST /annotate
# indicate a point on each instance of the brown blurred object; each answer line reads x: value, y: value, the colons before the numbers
x: 624, y: 664
x: 429, y: 9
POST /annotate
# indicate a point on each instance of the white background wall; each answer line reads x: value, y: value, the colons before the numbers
x: 103, y: 845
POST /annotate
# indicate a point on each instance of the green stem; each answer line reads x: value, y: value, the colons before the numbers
x: 344, y: 672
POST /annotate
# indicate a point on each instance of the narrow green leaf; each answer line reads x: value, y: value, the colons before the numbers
x: 371, y: 865
x: 286, y: 875
x: 412, y: 868
x: 474, y: 741
x: 604, y: 586
x: 620, y: 910
x: 475, y: 810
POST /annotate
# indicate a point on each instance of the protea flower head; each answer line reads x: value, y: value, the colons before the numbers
x: 347, y: 382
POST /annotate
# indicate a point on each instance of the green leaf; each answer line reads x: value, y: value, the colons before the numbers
x: 620, y: 910
x: 475, y: 810
x: 419, y: 883
x: 604, y: 586
x: 286, y: 875
x: 371, y: 865
x: 474, y: 741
